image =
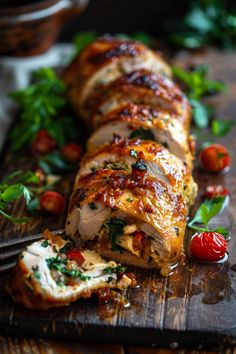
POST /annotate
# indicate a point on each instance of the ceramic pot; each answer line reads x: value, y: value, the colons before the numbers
x: 31, y: 27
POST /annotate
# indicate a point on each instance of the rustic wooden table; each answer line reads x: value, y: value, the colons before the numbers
x: 222, y: 66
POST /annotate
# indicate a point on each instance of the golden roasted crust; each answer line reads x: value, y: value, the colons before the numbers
x: 177, y: 173
x: 103, y: 61
x: 138, y: 116
x: 153, y: 202
x: 143, y: 87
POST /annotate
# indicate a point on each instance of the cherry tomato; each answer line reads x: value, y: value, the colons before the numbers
x: 103, y: 295
x: 138, y: 240
x: 43, y: 143
x: 208, y: 246
x: 216, y: 191
x: 52, y: 202
x: 76, y: 255
x: 72, y: 152
x: 215, y: 158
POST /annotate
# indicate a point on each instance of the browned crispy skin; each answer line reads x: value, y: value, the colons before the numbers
x: 161, y: 163
x: 105, y: 60
x: 153, y: 202
x: 167, y: 128
x: 142, y: 87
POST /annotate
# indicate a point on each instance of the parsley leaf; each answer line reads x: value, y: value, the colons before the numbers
x: 222, y: 127
x: 40, y: 105
x: 207, y: 210
x: 199, y: 85
x: 12, y: 189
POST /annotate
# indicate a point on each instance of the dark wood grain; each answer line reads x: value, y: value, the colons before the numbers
x: 194, y: 307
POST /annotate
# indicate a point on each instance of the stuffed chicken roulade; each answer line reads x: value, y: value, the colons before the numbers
x: 130, y: 217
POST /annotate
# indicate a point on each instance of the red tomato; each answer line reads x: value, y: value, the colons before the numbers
x: 52, y: 202
x: 208, y: 246
x: 72, y: 152
x: 76, y: 255
x: 103, y: 295
x: 216, y: 191
x: 215, y: 158
x: 138, y: 240
x: 43, y: 143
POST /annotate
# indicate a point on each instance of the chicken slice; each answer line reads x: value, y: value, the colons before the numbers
x: 132, y: 120
x: 105, y: 60
x: 142, y: 87
x: 134, y: 198
x: 45, y: 277
x: 121, y: 153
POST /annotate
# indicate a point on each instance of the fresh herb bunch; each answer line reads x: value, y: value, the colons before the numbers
x: 207, y: 210
x: 206, y: 22
x: 40, y: 105
x: 12, y: 188
x: 199, y: 85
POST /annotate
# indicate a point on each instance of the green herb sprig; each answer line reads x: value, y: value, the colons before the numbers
x: 207, y: 210
x: 206, y: 22
x: 12, y: 188
x: 40, y: 105
x: 199, y: 85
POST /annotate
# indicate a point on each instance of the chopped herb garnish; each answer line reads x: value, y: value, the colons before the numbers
x: 117, y: 269
x: 129, y: 200
x: 45, y: 243
x: 116, y: 165
x: 59, y: 264
x: 115, y: 228
x: 92, y: 206
x: 133, y: 153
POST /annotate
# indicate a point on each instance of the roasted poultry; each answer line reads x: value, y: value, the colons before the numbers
x: 46, y: 276
x: 134, y: 187
x: 104, y: 61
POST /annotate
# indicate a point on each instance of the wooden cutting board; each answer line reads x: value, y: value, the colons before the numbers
x: 194, y: 307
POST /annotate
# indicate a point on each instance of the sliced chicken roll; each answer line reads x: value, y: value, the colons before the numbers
x: 146, y: 123
x: 121, y: 153
x: 105, y: 60
x: 48, y: 275
x: 142, y: 87
x: 133, y: 218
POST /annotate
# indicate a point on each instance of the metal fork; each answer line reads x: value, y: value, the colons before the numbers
x: 10, y: 250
